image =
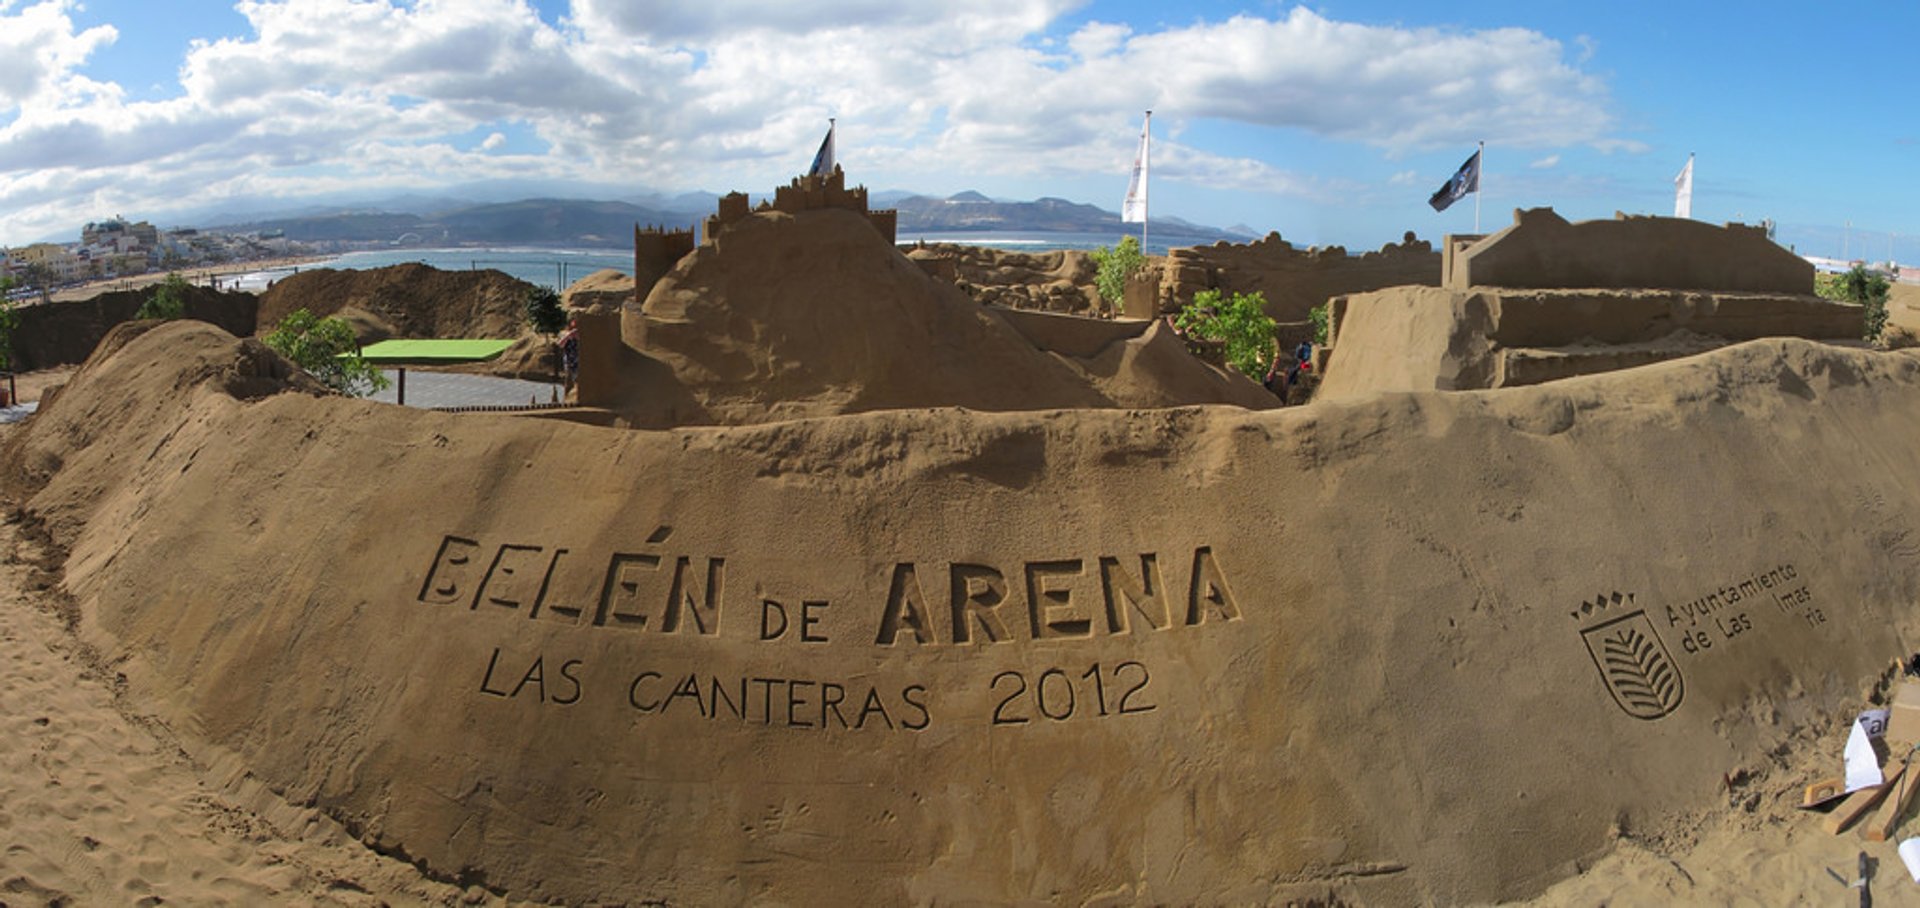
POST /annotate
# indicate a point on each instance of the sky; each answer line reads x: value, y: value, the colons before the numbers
x: 1330, y: 123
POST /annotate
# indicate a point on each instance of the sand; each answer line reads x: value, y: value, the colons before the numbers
x: 1265, y: 704
x: 1577, y: 642
x: 99, y: 805
x: 404, y: 300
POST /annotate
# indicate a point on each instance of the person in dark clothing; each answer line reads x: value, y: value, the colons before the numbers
x: 570, y: 352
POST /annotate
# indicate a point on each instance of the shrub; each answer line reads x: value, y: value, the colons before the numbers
x: 1863, y: 288
x: 1114, y: 265
x: 1241, y: 323
x: 168, y: 300
x: 326, y: 349
x: 1320, y: 316
x: 544, y: 313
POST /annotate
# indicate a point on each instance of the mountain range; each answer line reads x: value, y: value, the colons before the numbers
x: 562, y: 222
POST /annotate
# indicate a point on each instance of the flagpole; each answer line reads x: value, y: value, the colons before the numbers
x: 1480, y: 190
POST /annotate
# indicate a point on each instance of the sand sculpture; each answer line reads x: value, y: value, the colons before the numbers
x: 1404, y: 648
x: 656, y: 250
x: 784, y: 314
x: 871, y: 639
x: 1544, y: 299
x: 1293, y: 281
x: 1055, y: 281
x: 605, y: 290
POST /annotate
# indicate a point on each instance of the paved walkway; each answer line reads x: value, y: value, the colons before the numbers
x: 424, y: 389
x: 452, y: 389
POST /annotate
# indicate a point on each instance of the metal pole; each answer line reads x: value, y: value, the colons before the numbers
x: 1147, y: 201
x: 1480, y: 188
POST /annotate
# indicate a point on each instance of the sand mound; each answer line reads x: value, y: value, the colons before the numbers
x: 407, y: 300
x: 1155, y: 370
x: 815, y: 314
x: 64, y: 333
x: 1415, y: 647
x: 604, y: 290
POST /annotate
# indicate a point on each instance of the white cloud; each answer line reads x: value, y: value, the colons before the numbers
x: 1552, y: 160
x: 1403, y: 178
x: 734, y: 93
x: 39, y: 51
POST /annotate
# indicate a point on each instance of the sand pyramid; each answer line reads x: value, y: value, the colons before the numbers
x: 789, y: 315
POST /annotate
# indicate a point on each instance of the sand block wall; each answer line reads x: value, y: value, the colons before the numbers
x: 1293, y: 281
x: 1422, y: 338
x: 1412, y: 647
x: 1543, y: 250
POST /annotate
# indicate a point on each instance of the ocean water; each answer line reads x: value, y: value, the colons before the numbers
x: 556, y: 268
x: 1047, y: 242
x: 559, y: 268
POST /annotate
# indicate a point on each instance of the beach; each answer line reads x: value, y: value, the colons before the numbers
x: 223, y: 275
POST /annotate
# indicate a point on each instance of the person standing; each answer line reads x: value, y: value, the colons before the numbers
x: 570, y: 352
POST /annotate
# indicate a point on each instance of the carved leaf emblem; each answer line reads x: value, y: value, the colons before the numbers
x: 1643, y: 678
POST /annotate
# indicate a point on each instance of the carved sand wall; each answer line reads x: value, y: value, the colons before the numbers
x: 1054, y: 281
x: 1412, y: 648
x: 1418, y: 338
x: 1542, y: 250
x: 1293, y: 280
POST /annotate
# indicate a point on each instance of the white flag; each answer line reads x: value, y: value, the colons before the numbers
x: 1134, y: 210
x: 1683, y: 191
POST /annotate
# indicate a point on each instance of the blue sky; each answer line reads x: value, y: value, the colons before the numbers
x: 1330, y: 122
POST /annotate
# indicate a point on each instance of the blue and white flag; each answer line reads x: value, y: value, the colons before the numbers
x: 823, y: 159
x: 1464, y: 181
x: 1683, y: 191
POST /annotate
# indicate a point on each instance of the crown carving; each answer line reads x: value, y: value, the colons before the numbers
x: 1598, y: 605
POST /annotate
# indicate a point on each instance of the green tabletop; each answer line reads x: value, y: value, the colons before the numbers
x: 415, y: 352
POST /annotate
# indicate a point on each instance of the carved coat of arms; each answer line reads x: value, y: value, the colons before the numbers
x: 1633, y: 662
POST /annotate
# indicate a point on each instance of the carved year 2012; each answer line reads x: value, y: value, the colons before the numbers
x: 1056, y: 695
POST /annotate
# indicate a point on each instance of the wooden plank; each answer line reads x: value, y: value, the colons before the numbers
x: 1860, y: 802
x: 1888, y: 816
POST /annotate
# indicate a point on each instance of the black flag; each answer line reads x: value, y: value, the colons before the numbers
x: 1464, y: 181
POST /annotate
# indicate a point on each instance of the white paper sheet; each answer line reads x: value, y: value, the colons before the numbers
x: 1863, y: 765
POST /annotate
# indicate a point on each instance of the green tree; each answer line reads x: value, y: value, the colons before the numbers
x: 1863, y: 288
x: 1114, y: 264
x: 38, y: 276
x: 168, y: 300
x: 1321, y: 317
x: 543, y: 311
x: 1241, y: 323
x: 326, y: 349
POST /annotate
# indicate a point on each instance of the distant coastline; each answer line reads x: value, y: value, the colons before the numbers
x: 559, y: 266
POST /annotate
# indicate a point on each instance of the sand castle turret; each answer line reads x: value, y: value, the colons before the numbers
x: 656, y: 250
